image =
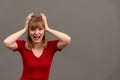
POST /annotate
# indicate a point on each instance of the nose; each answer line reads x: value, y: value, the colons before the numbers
x: 36, y: 31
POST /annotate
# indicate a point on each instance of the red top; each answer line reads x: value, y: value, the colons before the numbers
x: 36, y: 68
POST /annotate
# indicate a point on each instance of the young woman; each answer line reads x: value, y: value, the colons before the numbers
x: 37, y: 52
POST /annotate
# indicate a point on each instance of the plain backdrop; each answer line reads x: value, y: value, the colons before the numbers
x: 94, y: 26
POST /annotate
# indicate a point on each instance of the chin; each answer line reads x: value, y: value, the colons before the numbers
x: 37, y: 41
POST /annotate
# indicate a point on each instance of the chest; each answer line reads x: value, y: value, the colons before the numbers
x: 31, y: 61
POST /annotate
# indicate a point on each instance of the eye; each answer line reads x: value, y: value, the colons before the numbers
x: 32, y: 28
x: 40, y: 29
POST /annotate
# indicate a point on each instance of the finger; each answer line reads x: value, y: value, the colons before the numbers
x: 31, y: 14
x: 29, y: 17
x: 41, y: 14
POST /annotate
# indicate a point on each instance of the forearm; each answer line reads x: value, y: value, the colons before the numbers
x: 13, y: 37
x: 60, y: 35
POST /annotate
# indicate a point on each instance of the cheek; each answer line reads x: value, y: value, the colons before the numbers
x: 42, y: 32
x: 30, y: 33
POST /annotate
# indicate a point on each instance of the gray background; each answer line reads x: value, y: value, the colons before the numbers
x: 94, y: 25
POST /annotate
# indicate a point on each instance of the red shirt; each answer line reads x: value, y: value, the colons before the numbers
x: 36, y: 68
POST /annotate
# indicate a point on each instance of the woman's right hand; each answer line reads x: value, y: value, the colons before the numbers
x: 27, y: 20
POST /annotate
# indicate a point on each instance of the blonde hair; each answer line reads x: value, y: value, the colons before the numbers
x: 34, y: 20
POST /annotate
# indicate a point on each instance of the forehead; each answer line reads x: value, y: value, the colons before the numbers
x: 36, y: 25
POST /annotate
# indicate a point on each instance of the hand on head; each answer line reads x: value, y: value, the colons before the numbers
x: 43, y: 17
x: 30, y: 16
x: 27, y: 20
x: 45, y: 20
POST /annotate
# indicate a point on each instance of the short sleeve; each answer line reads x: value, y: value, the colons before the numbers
x: 54, y: 45
x: 20, y: 44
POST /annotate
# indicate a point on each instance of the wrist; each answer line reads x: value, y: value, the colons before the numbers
x: 47, y: 29
x: 24, y: 29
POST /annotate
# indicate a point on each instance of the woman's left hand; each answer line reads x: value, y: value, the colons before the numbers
x: 45, y: 20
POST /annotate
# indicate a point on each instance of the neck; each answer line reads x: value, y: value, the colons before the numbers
x: 37, y: 45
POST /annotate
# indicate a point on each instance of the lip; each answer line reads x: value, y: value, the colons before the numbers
x: 36, y: 37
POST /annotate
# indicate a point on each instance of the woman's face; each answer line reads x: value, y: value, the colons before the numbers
x: 36, y: 32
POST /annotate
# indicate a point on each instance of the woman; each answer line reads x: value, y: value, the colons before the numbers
x: 36, y: 51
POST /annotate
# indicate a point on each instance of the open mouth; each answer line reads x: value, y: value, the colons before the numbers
x: 36, y: 37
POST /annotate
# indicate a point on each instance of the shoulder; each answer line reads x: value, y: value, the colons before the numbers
x: 20, y: 42
x: 20, y: 45
x: 53, y: 44
x: 53, y: 41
